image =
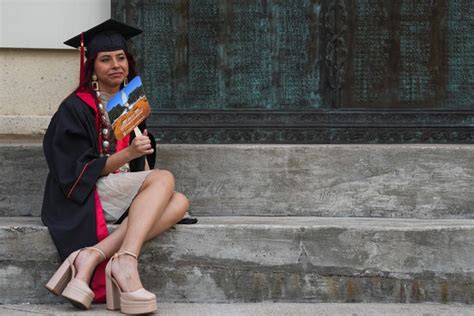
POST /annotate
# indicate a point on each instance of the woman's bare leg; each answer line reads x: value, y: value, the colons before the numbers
x: 146, y: 209
x: 174, y: 211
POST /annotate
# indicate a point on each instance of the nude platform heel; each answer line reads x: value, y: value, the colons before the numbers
x: 64, y: 282
x: 139, y: 301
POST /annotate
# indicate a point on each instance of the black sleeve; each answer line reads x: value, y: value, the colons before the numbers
x: 139, y: 163
x: 71, y: 154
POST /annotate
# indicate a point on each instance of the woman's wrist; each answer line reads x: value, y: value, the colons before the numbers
x: 131, y: 154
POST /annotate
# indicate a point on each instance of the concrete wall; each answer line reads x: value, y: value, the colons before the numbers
x: 37, y: 71
x: 32, y: 84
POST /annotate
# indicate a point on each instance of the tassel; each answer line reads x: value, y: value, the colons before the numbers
x: 82, y: 74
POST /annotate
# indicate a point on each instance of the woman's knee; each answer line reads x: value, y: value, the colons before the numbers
x: 183, y: 200
x: 163, y: 178
x: 182, y: 203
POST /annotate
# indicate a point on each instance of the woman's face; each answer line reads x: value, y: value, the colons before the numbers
x: 111, y: 69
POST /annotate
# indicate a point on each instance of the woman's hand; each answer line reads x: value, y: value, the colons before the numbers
x: 141, y: 145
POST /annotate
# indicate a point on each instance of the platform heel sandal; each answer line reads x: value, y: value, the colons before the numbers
x: 139, y: 301
x: 62, y: 276
x: 64, y: 283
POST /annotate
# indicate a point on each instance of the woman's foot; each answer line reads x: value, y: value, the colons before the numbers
x: 125, y: 272
x: 124, y: 289
x: 77, y: 271
x: 85, y: 264
x: 187, y: 219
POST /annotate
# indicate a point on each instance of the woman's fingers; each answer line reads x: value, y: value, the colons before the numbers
x: 142, y: 140
x: 143, y: 144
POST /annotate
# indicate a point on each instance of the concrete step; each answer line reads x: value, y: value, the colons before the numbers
x: 257, y: 309
x: 407, y: 181
x: 285, y: 259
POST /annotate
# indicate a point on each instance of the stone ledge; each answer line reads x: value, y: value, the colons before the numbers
x: 407, y: 181
x: 261, y: 309
x: 13, y: 140
x: 244, y: 259
x: 24, y: 125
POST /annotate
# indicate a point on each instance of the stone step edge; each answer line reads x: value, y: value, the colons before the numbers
x: 264, y: 308
x: 20, y: 140
x: 223, y: 257
x: 367, y: 223
x: 314, y: 180
x: 34, y: 140
x: 362, y: 244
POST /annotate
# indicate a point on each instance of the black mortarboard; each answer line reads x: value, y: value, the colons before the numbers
x: 107, y: 36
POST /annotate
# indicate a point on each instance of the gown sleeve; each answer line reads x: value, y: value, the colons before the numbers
x: 71, y: 151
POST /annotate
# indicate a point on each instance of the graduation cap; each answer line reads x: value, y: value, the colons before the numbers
x: 108, y: 36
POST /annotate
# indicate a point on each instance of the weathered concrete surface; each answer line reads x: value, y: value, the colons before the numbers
x: 422, y: 181
x: 23, y: 173
x: 252, y: 259
x: 257, y: 309
x: 19, y: 124
x: 326, y: 180
x: 44, y: 76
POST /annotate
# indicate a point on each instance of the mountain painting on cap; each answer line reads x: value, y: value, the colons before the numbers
x: 128, y: 108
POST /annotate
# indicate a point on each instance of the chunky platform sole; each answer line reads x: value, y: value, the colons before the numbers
x: 60, y: 279
x: 134, y: 307
x: 137, y: 302
x: 79, y: 294
x: 64, y: 283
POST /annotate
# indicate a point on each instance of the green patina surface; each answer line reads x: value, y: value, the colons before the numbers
x: 213, y: 54
x: 305, y: 55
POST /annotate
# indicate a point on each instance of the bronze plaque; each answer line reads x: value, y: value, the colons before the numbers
x: 306, y: 71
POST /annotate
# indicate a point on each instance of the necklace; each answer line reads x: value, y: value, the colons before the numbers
x: 105, y: 128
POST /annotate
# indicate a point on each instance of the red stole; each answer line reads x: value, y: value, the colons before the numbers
x: 98, y: 279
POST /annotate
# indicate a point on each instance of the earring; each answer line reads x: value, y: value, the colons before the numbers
x: 125, y: 81
x: 95, y: 83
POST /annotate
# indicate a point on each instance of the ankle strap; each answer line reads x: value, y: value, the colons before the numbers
x: 98, y: 250
x: 125, y: 252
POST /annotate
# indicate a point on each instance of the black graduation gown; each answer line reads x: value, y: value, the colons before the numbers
x: 71, y: 206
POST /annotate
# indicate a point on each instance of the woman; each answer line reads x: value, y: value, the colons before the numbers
x: 94, y: 179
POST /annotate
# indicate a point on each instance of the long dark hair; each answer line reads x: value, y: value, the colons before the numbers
x: 86, y: 86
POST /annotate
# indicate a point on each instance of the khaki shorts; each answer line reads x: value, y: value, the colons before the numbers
x: 117, y: 191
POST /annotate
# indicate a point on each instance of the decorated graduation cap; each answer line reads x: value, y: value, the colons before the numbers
x: 108, y: 36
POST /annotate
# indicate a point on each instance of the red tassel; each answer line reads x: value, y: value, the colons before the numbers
x: 82, y: 74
